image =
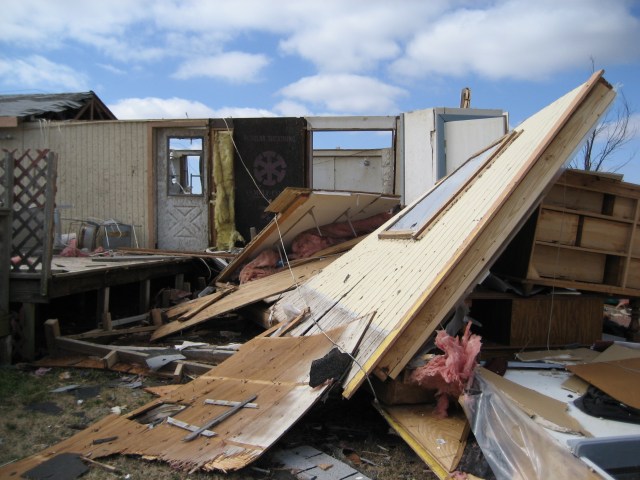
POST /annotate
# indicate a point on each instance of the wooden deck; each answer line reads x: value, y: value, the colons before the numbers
x: 71, y: 275
x: 93, y: 276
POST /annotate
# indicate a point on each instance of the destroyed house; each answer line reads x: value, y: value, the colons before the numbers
x: 508, y: 249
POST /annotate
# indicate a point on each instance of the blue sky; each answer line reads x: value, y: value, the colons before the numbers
x: 246, y: 58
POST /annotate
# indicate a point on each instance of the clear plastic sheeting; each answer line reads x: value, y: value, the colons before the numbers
x: 513, y: 444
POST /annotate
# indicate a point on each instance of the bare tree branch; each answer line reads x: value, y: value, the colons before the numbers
x: 609, y: 136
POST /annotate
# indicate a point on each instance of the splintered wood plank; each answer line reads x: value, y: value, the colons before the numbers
x: 274, y: 369
x: 439, y: 442
x: 188, y: 310
x: 247, y: 294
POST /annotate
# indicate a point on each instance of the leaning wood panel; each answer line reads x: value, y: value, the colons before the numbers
x: 439, y: 442
x: 413, y: 284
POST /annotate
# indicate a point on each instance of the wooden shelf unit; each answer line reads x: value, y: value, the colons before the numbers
x: 584, y: 235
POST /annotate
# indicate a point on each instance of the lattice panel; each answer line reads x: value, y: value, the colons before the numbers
x: 6, y: 191
x: 33, y: 205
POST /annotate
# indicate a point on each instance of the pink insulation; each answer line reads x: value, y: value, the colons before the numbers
x: 449, y: 373
x: 307, y: 243
x: 310, y: 241
x: 261, y: 266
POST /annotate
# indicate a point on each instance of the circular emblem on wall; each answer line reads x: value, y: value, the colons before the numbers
x: 269, y: 168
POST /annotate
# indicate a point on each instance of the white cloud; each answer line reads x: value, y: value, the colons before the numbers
x: 161, y: 108
x: 242, y: 112
x: 156, y: 108
x: 236, y: 67
x: 36, y: 72
x: 288, y: 108
x: 346, y: 93
x: 523, y: 40
x: 110, y: 68
x: 352, y: 37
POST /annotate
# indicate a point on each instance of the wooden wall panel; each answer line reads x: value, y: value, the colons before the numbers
x: 102, y: 170
x: 412, y: 284
x: 576, y: 265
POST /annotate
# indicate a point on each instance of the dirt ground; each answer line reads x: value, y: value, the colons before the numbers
x: 33, y: 418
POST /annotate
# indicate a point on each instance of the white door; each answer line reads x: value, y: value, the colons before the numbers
x: 182, y: 190
x: 463, y: 138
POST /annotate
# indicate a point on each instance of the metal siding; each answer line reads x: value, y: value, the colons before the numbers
x: 419, y: 154
x: 463, y: 138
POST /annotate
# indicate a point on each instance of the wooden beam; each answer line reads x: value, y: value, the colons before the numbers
x: 211, y: 299
x: 93, y: 349
x: 110, y: 359
x: 98, y: 333
x: 156, y: 317
x: 144, y: 296
x: 106, y: 321
x: 51, y: 332
x: 102, y: 303
x: 28, y: 325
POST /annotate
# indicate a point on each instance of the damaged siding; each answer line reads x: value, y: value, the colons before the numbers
x: 103, y: 169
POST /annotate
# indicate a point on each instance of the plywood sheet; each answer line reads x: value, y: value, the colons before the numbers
x: 275, y: 369
x: 438, y: 441
x: 618, y: 378
x: 247, y: 294
x: 412, y: 284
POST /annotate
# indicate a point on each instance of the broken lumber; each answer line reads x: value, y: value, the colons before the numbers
x: 248, y: 293
x: 107, y: 352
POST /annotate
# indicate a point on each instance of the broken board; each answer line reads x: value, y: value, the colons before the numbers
x: 275, y: 369
x: 247, y: 294
x: 297, y: 210
x: 439, y: 442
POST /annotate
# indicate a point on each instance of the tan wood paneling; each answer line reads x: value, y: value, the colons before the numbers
x: 439, y: 442
x: 102, y: 170
x: 413, y: 284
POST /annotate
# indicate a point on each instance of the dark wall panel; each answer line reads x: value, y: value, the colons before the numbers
x: 273, y: 150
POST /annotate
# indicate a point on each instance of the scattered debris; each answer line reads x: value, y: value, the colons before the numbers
x: 306, y: 463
